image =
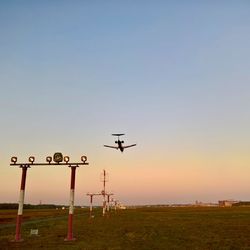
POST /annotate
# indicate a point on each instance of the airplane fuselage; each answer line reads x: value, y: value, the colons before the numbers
x: 120, y: 145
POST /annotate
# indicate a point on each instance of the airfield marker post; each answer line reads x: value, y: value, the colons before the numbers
x: 71, y: 204
x: 91, y: 204
x: 104, y: 193
x: 108, y: 201
x: 103, y: 204
x: 91, y: 195
x: 115, y: 205
x: 20, y: 204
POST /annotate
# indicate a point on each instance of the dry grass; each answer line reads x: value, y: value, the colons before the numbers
x: 144, y: 228
x: 9, y: 216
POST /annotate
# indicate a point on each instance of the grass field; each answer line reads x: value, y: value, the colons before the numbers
x: 142, y: 228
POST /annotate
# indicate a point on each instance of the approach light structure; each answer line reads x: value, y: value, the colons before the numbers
x: 57, y: 159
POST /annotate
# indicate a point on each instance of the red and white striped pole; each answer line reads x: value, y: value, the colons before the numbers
x: 108, y: 202
x: 20, y: 205
x: 103, y: 203
x: 108, y: 205
x: 104, y: 193
x: 71, y: 205
x: 91, y: 205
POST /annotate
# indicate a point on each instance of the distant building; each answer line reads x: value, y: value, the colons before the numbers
x: 227, y: 203
x: 205, y: 204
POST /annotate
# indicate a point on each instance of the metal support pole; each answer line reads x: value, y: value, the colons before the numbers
x: 104, y: 180
x: 71, y: 205
x: 91, y: 205
x: 108, y: 203
x: 111, y: 204
x: 20, y: 205
x: 104, y: 193
x: 103, y: 205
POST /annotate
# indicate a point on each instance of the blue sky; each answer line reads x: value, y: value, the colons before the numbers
x: 173, y: 76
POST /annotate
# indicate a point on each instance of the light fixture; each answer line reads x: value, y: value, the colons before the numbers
x: 58, y: 157
x: 66, y: 159
x: 14, y: 159
x: 31, y: 159
x: 84, y: 158
x: 49, y: 159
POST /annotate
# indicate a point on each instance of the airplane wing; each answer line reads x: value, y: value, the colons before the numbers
x: 110, y: 146
x: 129, y: 146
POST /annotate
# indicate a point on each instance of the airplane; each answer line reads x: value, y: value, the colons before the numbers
x: 119, y: 146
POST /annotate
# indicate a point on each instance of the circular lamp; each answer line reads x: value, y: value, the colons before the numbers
x: 14, y: 159
x: 31, y: 159
x: 49, y: 159
x: 84, y: 158
x: 66, y: 159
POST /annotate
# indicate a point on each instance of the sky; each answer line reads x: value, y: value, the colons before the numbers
x: 172, y: 75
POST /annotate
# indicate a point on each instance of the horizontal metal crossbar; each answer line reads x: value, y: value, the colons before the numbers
x: 49, y: 164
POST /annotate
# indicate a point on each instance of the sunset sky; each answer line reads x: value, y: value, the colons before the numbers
x: 172, y: 75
